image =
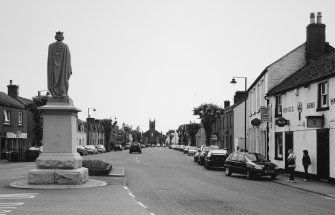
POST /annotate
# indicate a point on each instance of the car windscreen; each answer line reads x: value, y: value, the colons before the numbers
x: 255, y: 157
x: 219, y: 152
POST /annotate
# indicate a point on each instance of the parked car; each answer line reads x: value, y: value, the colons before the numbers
x: 185, y: 150
x: 142, y: 145
x: 100, y: 148
x: 158, y: 145
x: 202, y: 154
x: 215, y: 157
x: 127, y: 146
x: 181, y: 147
x: 196, y: 155
x: 250, y: 164
x: 82, y: 151
x: 32, y: 153
x: 135, y: 147
x: 153, y: 145
x: 117, y: 147
x: 91, y: 150
x: 192, y: 150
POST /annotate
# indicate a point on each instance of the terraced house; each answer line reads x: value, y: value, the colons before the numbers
x: 272, y: 76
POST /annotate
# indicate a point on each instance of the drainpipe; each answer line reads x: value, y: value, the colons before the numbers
x: 267, y: 130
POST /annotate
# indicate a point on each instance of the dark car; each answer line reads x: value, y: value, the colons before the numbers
x: 203, y: 153
x: 32, y: 153
x: 215, y: 157
x: 250, y: 164
x: 82, y: 151
x: 196, y: 155
x: 135, y: 147
x: 117, y: 147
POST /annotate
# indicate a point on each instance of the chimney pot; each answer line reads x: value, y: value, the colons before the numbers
x: 10, y: 82
x: 312, y: 18
x: 319, y: 18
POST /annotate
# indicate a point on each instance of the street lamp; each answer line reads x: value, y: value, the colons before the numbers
x: 233, y: 81
x: 88, y: 125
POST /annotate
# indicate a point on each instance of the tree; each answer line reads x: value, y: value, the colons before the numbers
x: 38, y: 101
x: 108, y: 126
x: 170, y: 134
x: 208, y: 114
x: 182, y: 134
x: 192, y: 129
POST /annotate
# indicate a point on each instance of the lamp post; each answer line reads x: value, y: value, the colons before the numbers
x: 88, y: 125
x: 233, y: 81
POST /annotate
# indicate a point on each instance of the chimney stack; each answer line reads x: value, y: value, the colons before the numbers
x: 13, y: 90
x: 226, y: 103
x: 312, y: 18
x: 319, y: 18
x: 316, y: 38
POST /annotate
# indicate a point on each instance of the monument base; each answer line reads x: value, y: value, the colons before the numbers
x: 59, y: 161
x: 58, y: 176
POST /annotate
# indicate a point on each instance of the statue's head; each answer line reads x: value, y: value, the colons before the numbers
x: 59, y: 36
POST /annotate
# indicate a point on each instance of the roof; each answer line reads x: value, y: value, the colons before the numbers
x: 266, y: 68
x: 227, y: 109
x: 6, y: 100
x: 24, y: 100
x: 322, y: 68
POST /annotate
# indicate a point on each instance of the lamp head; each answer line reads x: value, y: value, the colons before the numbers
x: 233, y: 81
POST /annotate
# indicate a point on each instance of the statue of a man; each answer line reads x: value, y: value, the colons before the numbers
x: 59, y: 67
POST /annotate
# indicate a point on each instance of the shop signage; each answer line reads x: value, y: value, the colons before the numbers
x: 16, y: 135
x: 256, y: 122
x: 281, y: 122
x: 265, y: 114
x: 315, y: 121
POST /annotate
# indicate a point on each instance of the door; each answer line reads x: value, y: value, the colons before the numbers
x: 288, y: 145
x: 323, y: 153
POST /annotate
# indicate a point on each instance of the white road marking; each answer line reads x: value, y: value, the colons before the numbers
x: 140, y: 203
x: 18, y: 196
x: 19, y: 168
x: 10, y: 204
x: 5, y: 211
x: 132, y: 195
x: 152, y: 214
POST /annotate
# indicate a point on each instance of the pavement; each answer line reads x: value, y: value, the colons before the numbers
x: 318, y: 187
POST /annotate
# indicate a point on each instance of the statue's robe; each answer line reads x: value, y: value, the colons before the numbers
x: 59, y: 69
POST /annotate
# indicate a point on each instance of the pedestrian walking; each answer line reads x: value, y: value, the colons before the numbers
x: 291, y: 164
x: 306, y: 161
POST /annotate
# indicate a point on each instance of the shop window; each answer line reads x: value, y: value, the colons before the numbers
x: 323, y: 97
x: 278, y: 110
x: 6, y: 116
x: 279, y: 146
x: 20, y: 118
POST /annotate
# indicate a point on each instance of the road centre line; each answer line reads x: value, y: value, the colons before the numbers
x: 18, y: 196
x: 20, y: 176
x: 140, y: 203
x: 10, y: 204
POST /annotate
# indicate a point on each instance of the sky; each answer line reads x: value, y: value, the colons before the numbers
x: 138, y: 60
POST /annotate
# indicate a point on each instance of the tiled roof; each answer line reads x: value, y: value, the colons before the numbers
x: 24, y: 100
x: 322, y: 68
x: 6, y: 100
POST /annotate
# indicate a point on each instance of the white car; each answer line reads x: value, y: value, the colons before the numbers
x: 191, y: 151
x: 91, y: 149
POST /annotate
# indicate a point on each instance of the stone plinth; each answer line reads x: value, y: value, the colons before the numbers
x: 59, y: 162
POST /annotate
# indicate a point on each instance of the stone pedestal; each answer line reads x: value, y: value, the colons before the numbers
x: 59, y: 163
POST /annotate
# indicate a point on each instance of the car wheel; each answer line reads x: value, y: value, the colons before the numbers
x: 273, y: 177
x: 129, y: 152
x: 249, y: 174
x: 208, y: 166
x: 227, y: 171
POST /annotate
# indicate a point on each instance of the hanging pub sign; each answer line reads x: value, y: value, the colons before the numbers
x: 256, y: 122
x: 281, y: 122
x: 265, y: 113
x: 315, y: 121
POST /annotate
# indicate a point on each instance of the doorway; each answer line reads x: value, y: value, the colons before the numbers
x: 288, y: 145
x: 323, y: 153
